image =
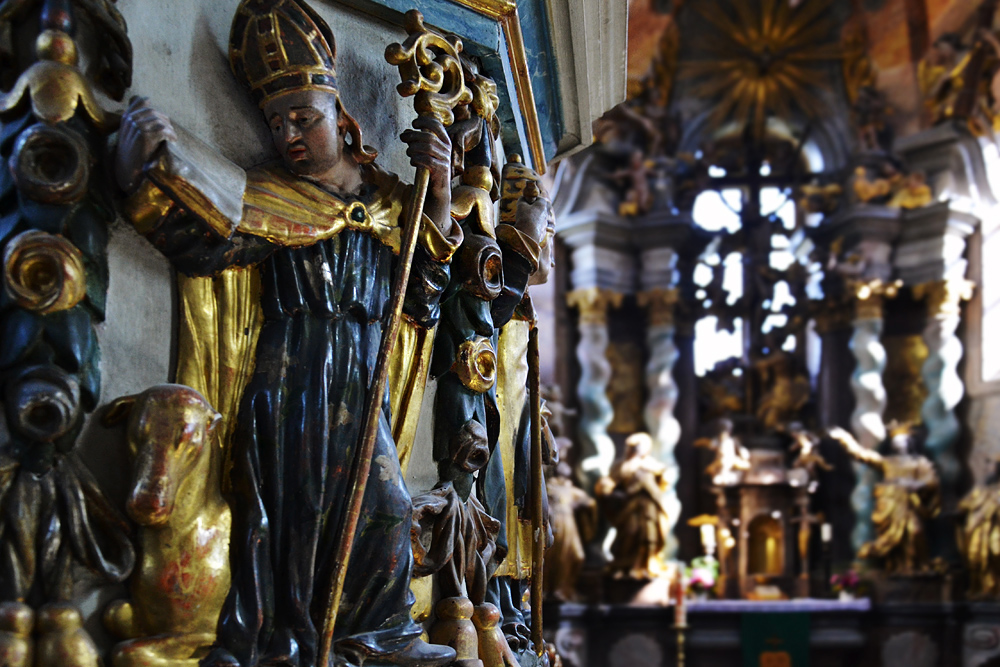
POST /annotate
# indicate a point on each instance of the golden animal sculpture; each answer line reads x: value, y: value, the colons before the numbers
x: 176, y: 498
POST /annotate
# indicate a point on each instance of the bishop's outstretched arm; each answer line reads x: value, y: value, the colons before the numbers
x: 855, y: 448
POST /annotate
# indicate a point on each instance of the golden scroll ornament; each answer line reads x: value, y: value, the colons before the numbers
x: 44, y: 272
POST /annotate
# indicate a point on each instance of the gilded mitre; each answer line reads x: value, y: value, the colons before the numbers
x: 277, y: 46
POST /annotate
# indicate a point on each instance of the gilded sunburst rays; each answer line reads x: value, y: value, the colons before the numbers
x: 763, y: 58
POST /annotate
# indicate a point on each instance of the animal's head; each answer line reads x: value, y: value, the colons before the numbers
x: 170, y: 431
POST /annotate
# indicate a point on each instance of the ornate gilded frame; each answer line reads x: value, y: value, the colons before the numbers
x: 505, y: 13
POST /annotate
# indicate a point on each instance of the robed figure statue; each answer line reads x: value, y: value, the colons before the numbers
x: 908, y: 495
x: 302, y: 251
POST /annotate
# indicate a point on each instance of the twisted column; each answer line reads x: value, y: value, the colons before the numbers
x: 663, y: 392
x: 940, y: 372
x: 869, y: 396
x: 596, y: 411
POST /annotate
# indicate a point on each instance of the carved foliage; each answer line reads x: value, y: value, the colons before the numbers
x: 54, y: 211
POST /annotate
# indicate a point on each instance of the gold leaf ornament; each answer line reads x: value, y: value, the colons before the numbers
x: 430, y: 69
x: 44, y: 272
x: 476, y: 364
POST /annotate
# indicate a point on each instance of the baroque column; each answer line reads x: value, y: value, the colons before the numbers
x: 940, y: 373
x: 931, y: 258
x: 596, y: 411
x: 663, y: 392
x: 869, y: 395
x: 861, y: 241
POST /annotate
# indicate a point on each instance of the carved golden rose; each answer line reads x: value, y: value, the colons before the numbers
x: 44, y: 272
x: 476, y: 364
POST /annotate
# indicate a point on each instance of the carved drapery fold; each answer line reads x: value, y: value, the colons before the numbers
x: 53, y: 240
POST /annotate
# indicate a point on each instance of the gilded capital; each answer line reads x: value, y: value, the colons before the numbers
x: 870, y: 295
x: 945, y: 297
x: 593, y: 303
x: 659, y: 303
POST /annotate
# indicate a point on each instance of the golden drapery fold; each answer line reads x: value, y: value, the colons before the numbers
x: 512, y: 376
x: 220, y: 319
x: 408, y: 367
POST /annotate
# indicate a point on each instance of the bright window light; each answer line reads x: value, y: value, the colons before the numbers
x: 773, y: 200
x: 714, y: 211
x: 732, y: 279
x: 711, y: 346
x: 702, y: 275
x: 782, y: 259
x: 782, y: 296
x: 991, y: 304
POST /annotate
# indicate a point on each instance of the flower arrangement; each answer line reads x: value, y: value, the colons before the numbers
x: 848, y: 582
x: 702, y: 574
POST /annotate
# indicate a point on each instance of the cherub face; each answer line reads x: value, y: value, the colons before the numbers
x: 304, y: 128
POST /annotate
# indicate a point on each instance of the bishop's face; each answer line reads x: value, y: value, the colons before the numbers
x: 304, y: 127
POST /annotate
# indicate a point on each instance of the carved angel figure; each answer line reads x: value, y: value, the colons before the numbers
x: 979, y: 537
x: 908, y: 494
x: 634, y: 501
x: 731, y: 457
x: 954, y: 79
x: 807, y: 446
x: 940, y: 75
x: 913, y: 192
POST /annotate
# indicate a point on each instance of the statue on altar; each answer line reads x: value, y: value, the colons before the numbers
x: 732, y: 459
x: 573, y: 517
x: 310, y: 241
x: 979, y: 536
x: 908, y: 495
x: 633, y: 496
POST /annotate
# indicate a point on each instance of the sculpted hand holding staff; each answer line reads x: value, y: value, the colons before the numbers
x: 311, y: 240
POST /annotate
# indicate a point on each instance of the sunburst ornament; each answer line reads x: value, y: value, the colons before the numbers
x: 763, y: 58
